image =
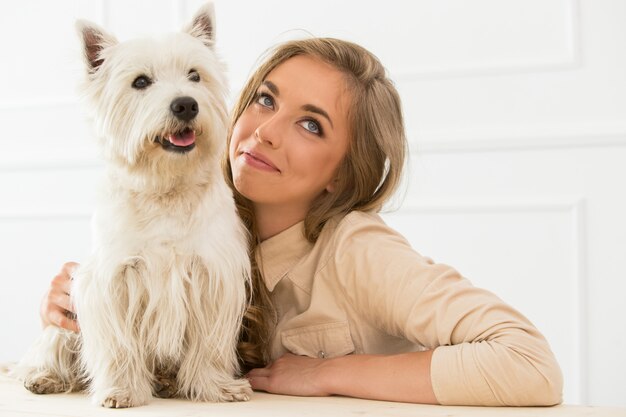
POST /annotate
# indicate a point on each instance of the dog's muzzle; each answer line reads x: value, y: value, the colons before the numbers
x: 185, y: 109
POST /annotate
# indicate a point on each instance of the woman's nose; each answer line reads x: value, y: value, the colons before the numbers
x: 269, y: 132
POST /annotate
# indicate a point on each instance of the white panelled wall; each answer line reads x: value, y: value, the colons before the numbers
x: 516, y: 114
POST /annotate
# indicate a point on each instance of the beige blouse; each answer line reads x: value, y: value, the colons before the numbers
x: 361, y: 288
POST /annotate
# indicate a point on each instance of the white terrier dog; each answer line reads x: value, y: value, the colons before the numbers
x: 163, y: 295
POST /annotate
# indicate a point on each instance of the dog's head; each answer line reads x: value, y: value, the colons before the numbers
x: 157, y: 104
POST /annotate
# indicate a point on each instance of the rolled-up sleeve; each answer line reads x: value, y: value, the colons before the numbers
x: 486, y: 352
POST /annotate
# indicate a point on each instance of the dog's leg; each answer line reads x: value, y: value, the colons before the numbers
x: 206, y: 375
x: 209, y: 366
x: 51, y: 366
x: 113, y: 354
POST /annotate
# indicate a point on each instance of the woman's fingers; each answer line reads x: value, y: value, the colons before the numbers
x: 60, y: 318
x: 259, y: 378
x: 63, y: 280
x: 56, y: 306
x: 61, y: 299
x: 259, y: 383
x: 257, y: 372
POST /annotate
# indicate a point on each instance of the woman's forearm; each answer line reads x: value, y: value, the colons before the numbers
x: 403, y: 377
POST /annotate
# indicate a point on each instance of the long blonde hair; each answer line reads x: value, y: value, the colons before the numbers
x: 368, y: 175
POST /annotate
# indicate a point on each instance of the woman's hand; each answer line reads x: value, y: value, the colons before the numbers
x: 56, y: 307
x: 290, y: 375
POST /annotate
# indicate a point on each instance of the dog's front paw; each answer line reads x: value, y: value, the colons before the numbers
x: 117, y: 401
x: 165, y: 386
x: 237, y: 390
x: 45, y: 383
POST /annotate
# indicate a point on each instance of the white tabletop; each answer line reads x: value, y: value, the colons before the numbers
x: 16, y: 401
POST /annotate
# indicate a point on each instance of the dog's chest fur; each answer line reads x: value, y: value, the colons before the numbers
x: 185, y: 219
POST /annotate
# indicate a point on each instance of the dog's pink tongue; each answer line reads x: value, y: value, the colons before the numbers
x: 185, y: 138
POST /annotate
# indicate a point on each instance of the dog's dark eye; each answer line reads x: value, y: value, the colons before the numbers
x: 141, y: 82
x: 193, y: 76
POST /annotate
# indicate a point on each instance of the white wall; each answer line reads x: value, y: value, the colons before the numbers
x: 516, y: 113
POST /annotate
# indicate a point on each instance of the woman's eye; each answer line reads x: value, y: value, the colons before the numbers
x: 265, y: 100
x: 142, y: 82
x: 193, y: 76
x: 312, y: 126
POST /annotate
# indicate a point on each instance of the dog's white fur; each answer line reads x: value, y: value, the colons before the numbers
x: 164, y: 290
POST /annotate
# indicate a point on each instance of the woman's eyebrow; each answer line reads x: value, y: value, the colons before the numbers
x: 272, y: 87
x: 314, y: 109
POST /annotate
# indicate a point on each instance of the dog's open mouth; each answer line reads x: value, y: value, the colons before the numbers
x: 182, y: 141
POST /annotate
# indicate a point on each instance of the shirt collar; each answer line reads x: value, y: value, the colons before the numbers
x: 277, y: 255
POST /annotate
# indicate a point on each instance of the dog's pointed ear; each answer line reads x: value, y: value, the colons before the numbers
x: 202, y: 25
x: 93, y: 39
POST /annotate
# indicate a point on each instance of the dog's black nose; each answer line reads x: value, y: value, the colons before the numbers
x: 184, y: 108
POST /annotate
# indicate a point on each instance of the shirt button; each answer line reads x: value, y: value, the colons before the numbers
x: 321, y: 354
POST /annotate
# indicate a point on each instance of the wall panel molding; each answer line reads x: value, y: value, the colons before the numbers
x: 40, y: 103
x: 30, y: 215
x: 74, y: 162
x: 572, y: 59
x: 514, y: 138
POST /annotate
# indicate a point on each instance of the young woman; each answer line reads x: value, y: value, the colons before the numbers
x: 341, y: 303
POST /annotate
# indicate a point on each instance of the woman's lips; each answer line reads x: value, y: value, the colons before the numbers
x: 258, y: 161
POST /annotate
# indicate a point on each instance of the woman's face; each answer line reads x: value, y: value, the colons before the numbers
x: 287, y: 145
